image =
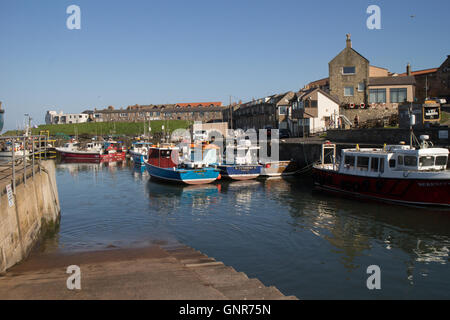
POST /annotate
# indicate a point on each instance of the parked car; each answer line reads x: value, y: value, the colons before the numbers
x: 284, y: 134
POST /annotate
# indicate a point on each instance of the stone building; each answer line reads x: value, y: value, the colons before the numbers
x: 349, y: 74
x: 431, y: 83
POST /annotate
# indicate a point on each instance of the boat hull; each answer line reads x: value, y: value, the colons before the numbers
x: 240, y: 172
x: 91, y: 157
x: 279, y: 169
x: 138, y: 158
x: 414, y: 191
x: 189, y: 176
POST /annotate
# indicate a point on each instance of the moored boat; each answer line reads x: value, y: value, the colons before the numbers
x: 18, y: 149
x: 245, y: 165
x: 163, y: 164
x: 93, y: 152
x: 139, y: 152
x: 396, y: 173
x: 278, y: 168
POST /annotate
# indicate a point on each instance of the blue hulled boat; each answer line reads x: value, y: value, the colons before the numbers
x: 163, y: 164
x: 245, y: 165
x: 139, y: 152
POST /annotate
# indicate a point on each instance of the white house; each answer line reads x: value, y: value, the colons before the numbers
x: 313, y: 111
x: 53, y: 117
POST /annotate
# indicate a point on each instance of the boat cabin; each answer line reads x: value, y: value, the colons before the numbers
x: 164, y: 157
x: 392, y: 158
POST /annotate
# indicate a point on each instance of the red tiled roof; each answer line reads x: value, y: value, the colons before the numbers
x: 420, y: 72
x: 199, y: 104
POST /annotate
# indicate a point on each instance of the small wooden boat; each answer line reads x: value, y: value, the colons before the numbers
x: 163, y: 163
x: 278, y: 168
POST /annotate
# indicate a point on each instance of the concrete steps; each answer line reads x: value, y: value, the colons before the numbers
x: 232, y: 284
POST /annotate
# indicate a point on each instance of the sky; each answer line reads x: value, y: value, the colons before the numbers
x: 156, y: 52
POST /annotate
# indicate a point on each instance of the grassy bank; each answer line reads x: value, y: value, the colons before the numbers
x: 112, y: 128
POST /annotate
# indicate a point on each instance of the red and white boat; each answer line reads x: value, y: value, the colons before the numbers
x: 93, y: 152
x: 395, y: 173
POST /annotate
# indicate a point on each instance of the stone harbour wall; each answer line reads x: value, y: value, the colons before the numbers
x: 36, y: 210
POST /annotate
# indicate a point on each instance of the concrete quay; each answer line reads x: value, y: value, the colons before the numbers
x: 29, y: 212
x: 152, y: 273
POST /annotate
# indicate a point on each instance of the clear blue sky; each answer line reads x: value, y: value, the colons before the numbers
x: 143, y: 51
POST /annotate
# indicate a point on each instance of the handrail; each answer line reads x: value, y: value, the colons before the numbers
x: 19, y: 160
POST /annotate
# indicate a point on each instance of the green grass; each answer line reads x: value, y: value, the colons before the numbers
x: 445, y: 117
x: 112, y: 128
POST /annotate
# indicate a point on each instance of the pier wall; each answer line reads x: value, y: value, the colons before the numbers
x: 389, y: 136
x: 36, y: 210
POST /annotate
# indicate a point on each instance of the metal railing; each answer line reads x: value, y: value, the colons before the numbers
x: 20, y: 157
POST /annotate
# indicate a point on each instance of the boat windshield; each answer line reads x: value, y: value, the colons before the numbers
x: 431, y: 161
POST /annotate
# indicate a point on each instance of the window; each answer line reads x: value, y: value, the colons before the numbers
x: 349, y: 161
x: 392, y: 163
x: 348, y: 91
x: 400, y: 160
x: 441, y: 160
x: 282, y: 110
x: 374, y: 165
x: 348, y: 70
x: 361, y: 87
x: 426, y: 161
x: 377, y: 95
x: 398, y: 95
x: 382, y: 165
x: 410, y: 161
x: 363, y: 163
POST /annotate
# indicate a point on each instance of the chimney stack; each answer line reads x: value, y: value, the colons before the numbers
x: 408, y: 69
x: 349, y: 41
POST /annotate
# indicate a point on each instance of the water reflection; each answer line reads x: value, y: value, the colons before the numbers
x: 278, y: 230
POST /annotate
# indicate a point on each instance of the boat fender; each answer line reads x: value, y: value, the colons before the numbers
x: 356, y: 187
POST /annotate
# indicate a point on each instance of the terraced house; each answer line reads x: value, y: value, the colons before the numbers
x: 204, y: 111
x: 272, y: 111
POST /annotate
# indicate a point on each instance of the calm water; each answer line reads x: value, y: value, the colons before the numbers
x: 307, y: 244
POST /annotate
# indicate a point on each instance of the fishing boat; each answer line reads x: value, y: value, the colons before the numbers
x: 278, y: 168
x: 93, y: 152
x: 245, y: 165
x: 163, y: 164
x: 18, y: 149
x: 139, y: 152
x: 395, y: 173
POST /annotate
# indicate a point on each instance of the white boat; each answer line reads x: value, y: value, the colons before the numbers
x: 6, y: 152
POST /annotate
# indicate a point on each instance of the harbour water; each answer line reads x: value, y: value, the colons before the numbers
x: 307, y: 244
